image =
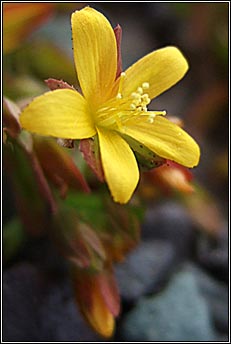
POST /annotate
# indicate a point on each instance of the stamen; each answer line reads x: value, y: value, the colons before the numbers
x: 140, y: 90
x: 140, y: 99
x: 122, y: 76
x: 132, y: 106
x: 145, y: 85
x: 152, y: 115
x: 135, y: 95
x: 118, y: 110
x: 163, y: 113
x: 151, y: 118
x: 119, y: 96
x: 146, y: 98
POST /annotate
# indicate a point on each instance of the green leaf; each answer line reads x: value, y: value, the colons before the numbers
x: 14, y: 238
x: 33, y: 197
x: 76, y: 240
x: 89, y: 207
x: 147, y: 159
x: 117, y: 225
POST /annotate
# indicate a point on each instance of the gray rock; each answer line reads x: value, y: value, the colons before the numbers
x: 60, y: 318
x: 179, y: 313
x: 214, y: 254
x: 37, y: 309
x: 170, y: 221
x: 22, y: 295
x: 216, y: 296
x: 145, y: 269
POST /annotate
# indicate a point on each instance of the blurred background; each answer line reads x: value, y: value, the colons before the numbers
x: 184, y: 239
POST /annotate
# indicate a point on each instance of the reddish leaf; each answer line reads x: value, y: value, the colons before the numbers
x: 33, y: 196
x: 69, y: 242
x: 121, y: 232
x: 118, y: 35
x: 117, y: 226
x: 92, y: 239
x: 205, y: 211
x: 90, y: 150
x: 109, y: 290
x: 92, y: 303
x: 55, y: 84
x: 76, y: 241
x: 59, y: 166
x: 171, y: 177
x: 11, y: 113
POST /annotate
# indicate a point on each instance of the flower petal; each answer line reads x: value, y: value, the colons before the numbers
x: 162, y: 69
x: 95, y: 54
x: 164, y: 138
x: 119, y: 164
x: 60, y: 113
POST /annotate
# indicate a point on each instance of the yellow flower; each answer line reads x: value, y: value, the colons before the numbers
x: 114, y: 108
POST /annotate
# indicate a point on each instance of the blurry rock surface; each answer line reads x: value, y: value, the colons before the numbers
x: 145, y: 269
x: 38, y: 309
x: 179, y: 313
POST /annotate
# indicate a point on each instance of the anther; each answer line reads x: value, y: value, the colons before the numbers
x: 151, y: 118
x: 132, y: 106
x: 145, y: 85
x: 135, y: 95
x: 146, y: 98
x: 140, y: 90
x: 140, y: 99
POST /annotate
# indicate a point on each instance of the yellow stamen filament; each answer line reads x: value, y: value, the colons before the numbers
x: 153, y: 114
x: 162, y: 113
x: 117, y: 111
x: 119, y: 94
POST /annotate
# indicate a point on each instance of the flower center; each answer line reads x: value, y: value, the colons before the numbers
x: 116, y: 111
x: 140, y: 100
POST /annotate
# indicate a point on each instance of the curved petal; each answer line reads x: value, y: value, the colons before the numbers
x: 162, y: 69
x: 61, y: 113
x: 95, y: 54
x: 164, y: 138
x: 119, y: 164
